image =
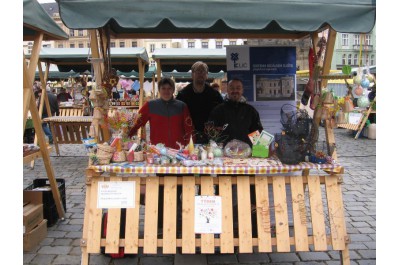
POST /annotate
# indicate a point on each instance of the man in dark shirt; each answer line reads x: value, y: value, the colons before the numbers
x: 54, y: 108
x: 201, y: 98
x: 63, y: 96
x: 241, y: 118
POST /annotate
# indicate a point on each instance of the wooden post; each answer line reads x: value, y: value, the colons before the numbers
x: 330, y: 45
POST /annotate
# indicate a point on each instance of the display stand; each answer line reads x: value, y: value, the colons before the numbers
x: 360, y: 125
x: 315, y: 222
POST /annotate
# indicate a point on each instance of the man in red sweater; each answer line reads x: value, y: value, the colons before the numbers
x: 170, y: 120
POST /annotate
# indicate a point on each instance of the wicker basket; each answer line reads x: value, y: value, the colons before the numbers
x: 104, y: 159
x: 105, y: 150
x: 119, y: 157
x: 138, y: 156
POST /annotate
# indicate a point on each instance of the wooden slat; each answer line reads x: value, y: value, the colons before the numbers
x: 336, y: 212
x: 225, y: 191
x: 317, y: 213
x: 150, y: 218
x: 95, y: 215
x: 169, y: 224
x: 132, y: 221
x: 299, y: 214
x: 244, y: 214
x: 85, y: 130
x: 77, y: 130
x: 263, y: 214
x: 84, y: 240
x: 207, y: 240
x: 113, y: 226
x: 64, y: 137
x: 188, y: 235
x: 71, y: 133
x: 281, y: 214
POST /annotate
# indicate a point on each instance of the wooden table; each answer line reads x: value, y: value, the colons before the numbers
x: 316, y: 217
x: 69, y: 129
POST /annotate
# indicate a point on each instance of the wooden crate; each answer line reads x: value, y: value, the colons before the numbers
x: 316, y: 217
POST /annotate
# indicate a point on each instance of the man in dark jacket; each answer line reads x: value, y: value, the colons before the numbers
x: 241, y: 118
x: 201, y: 98
x: 54, y: 108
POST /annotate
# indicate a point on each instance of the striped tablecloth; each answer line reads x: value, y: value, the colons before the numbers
x: 143, y: 168
x: 69, y: 119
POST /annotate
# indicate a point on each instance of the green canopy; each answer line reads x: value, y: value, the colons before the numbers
x: 218, y: 18
x: 76, y: 59
x: 133, y: 74
x: 188, y: 75
x: 58, y: 75
x: 37, y: 20
x: 182, y: 59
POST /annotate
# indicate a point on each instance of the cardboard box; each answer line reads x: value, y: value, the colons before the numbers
x: 34, y: 237
x: 32, y: 212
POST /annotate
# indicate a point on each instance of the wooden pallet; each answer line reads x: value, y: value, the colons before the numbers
x: 316, y: 202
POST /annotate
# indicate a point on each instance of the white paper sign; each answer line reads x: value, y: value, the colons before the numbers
x: 354, y: 118
x: 116, y: 194
x: 208, y: 215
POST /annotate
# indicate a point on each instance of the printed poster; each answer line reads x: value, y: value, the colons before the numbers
x: 116, y: 194
x: 269, y: 79
x: 208, y: 215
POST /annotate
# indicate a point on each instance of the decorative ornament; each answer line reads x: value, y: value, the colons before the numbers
x: 365, y: 83
x: 357, y: 80
x: 359, y: 90
x: 363, y: 102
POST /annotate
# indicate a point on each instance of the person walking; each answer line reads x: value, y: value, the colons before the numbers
x: 54, y: 108
x: 201, y: 98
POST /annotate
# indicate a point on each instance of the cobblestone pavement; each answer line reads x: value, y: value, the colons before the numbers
x: 359, y: 193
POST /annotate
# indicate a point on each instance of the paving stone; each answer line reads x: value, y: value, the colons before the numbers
x: 131, y: 260
x: 253, y: 258
x: 75, y: 251
x: 28, y: 257
x: 62, y: 242
x: 195, y: 259
x: 42, y: 259
x: 67, y: 259
x: 166, y: 260
x: 367, y: 262
x: 222, y: 259
x: 367, y: 254
x: 99, y: 259
x: 370, y: 245
x: 55, y: 250
x: 284, y: 257
x: 309, y: 256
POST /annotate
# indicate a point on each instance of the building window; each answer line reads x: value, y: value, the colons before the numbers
x: 372, y: 59
x: 72, y: 45
x: 344, y: 59
x: 163, y: 45
x: 366, y: 59
x: 152, y: 47
x: 191, y: 44
x: 153, y: 63
x: 356, y: 39
x: 204, y: 45
x: 218, y: 44
x: 122, y: 44
x: 71, y: 33
x: 356, y: 59
x: 232, y: 42
x: 349, y: 59
x: 345, y: 39
x: 88, y: 45
x: 112, y: 44
x: 80, y: 33
x: 134, y: 43
x: 80, y: 45
x: 60, y: 46
x: 368, y: 39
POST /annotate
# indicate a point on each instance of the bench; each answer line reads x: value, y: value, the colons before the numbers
x: 69, y: 129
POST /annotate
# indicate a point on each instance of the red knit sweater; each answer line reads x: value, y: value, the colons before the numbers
x: 170, y: 122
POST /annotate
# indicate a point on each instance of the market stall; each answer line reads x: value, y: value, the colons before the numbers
x: 216, y: 19
x: 38, y: 26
